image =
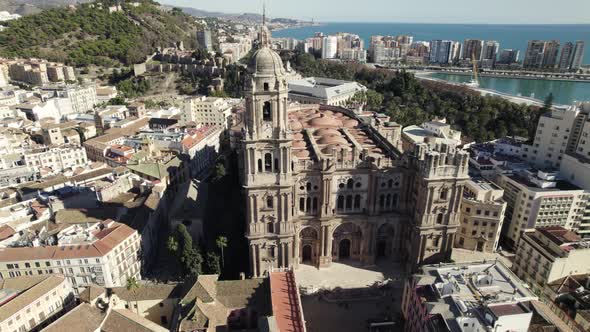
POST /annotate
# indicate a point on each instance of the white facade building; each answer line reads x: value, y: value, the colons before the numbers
x: 208, y: 111
x: 318, y: 90
x: 329, y: 47
x: 105, y: 254
x: 56, y: 158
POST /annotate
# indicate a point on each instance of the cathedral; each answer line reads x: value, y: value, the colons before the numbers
x: 325, y: 184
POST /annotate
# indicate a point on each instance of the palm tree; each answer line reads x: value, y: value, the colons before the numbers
x: 221, y: 243
x: 132, y: 286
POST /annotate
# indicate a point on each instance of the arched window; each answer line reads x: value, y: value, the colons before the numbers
x: 439, y: 218
x: 266, y: 87
x: 268, y: 162
x: 349, y: 202
x: 266, y: 111
x: 341, y: 186
x: 349, y: 184
x: 315, y: 204
x: 382, y: 201
x: 292, y: 166
x: 302, y: 204
x: 394, y: 201
x: 388, y: 201
x: 308, y: 186
x: 269, y: 202
x: 277, y: 165
x: 340, y: 205
x: 390, y: 183
x: 307, y: 204
x: 357, y: 201
x: 260, y: 165
x: 270, y: 227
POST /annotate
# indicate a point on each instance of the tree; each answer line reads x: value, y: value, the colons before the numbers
x: 221, y: 243
x: 212, y: 263
x: 132, y: 286
x: 548, y: 104
x: 219, y: 171
x: 180, y: 244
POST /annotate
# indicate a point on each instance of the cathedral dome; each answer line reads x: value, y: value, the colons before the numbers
x: 267, y: 62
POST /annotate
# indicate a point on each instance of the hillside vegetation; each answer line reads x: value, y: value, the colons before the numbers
x: 90, y: 34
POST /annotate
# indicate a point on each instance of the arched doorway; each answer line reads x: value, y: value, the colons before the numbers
x: 306, y: 254
x: 309, y: 243
x: 344, y: 249
x: 385, y: 238
x: 346, y: 242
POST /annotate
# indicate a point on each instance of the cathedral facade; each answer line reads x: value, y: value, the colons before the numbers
x: 325, y: 184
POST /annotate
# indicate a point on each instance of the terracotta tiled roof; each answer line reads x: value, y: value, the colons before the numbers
x: 6, y: 232
x: 91, y: 292
x: 30, y: 289
x: 83, y: 318
x: 99, y: 248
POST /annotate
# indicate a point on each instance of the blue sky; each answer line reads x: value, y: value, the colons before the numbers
x: 433, y: 11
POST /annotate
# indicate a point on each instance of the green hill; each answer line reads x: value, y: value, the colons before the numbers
x: 89, y: 34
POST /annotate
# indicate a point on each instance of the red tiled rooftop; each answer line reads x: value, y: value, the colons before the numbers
x: 559, y: 235
x: 6, y: 232
x: 507, y: 309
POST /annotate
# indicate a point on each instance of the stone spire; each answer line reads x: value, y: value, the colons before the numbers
x: 264, y: 37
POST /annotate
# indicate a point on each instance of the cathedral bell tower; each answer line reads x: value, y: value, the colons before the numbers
x: 267, y: 166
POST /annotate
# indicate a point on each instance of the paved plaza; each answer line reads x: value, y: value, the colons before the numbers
x: 346, y: 275
x: 336, y: 311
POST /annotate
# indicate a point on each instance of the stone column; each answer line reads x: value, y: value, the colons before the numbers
x: 329, y: 244
x: 296, y: 255
x: 253, y: 266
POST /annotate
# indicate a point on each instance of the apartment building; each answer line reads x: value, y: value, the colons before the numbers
x: 563, y: 130
x: 546, y: 254
x: 29, y: 303
x: 207, y: 111
x: 104, y: 253
x: 57, y: 158
x: 482, y: 215
x: 538, y: 198
x: 466, y: 297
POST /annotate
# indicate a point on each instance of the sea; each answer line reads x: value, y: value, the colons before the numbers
x: 508, y: 35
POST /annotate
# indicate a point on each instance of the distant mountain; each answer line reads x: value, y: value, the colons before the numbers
x: 29, y: 7
x: 237, y: 18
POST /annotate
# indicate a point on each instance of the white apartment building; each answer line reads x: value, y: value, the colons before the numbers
x: 105, y: 254
x: 482, y: 215
x: 32, y: 302
x: 57, y: 158
x: 329, y: 47
x: 563, y: 130
x: 207, y: 111
x: 202, y: 145
x: 538, y: 198
x: 546, y: 254
x: 326, y: 91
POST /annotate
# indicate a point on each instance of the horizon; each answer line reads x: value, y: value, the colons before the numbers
x: 431, y: 12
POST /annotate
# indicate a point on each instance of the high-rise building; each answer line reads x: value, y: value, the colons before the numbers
x: 489, y: 53
x: 566, y: 57
x: 472, y: 47
x: 508, y: 56
x: 329, y: 47
x: 539, y: 198
x: 578, y: 56
x: 204, y: 39
x: 533, y: 58
x: 550, y: 54
x: 440, y: 51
